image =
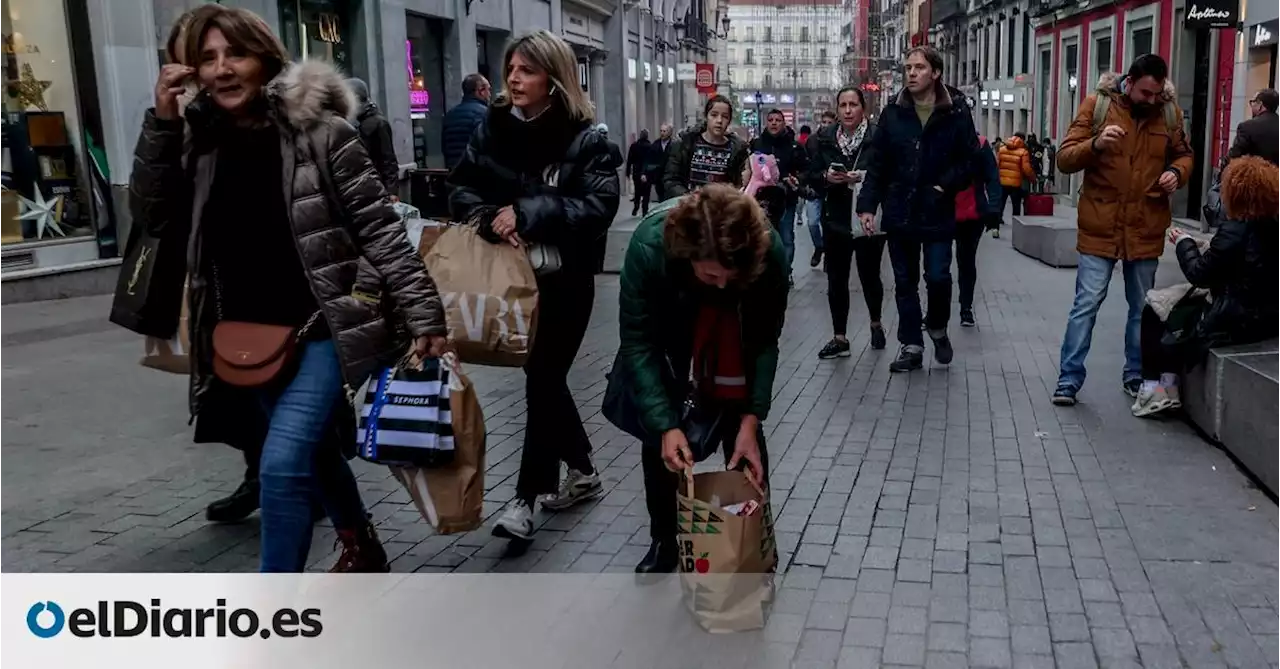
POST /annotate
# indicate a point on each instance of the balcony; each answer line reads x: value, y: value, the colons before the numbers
x: 1042, y: 7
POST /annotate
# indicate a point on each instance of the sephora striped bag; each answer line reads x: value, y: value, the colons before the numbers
x: 405, y: 416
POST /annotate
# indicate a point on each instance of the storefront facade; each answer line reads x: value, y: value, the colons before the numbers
x: 1255, y: 57
x: 1074, y: 48
x: 56, y: 204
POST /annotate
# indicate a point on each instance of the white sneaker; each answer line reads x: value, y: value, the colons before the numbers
x: 574, y: 489
x: 516, y: 522
x: 1153, y: 401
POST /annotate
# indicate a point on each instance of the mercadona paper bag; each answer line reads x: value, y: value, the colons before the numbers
x: 726, y: 561
x: 490, y: 297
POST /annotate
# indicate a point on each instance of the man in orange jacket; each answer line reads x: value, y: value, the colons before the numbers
x: 1014, y: 161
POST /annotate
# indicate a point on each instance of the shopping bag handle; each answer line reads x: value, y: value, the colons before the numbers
x: 688, y: 482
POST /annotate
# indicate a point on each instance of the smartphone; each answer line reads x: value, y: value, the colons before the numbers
x: 838, y: 167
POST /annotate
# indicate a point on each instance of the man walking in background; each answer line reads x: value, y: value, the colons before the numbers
x: 813, y: 203
x: 1128, y: 139
x: 462, y: 120
x: 375, y: 132
x: 925, y: 146
x: 1014, y: 160
x: 658, y: 155
x: 638, y: 157
x: 779, y: 201
x: 1258, y: 135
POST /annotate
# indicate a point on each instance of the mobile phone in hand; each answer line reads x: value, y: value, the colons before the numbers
x: 838, y: 167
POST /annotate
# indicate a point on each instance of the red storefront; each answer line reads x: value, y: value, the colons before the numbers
x: 1074, y: 48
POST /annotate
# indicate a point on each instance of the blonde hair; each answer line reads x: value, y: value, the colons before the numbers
x: 552, y: 55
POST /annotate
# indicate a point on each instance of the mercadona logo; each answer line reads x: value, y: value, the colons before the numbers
x: 125, y: 618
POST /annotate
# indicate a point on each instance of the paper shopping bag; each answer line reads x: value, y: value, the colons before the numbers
x: 170, y: 355
x: 727, y: 560
x: 490, y: 297
x: 451, y: 498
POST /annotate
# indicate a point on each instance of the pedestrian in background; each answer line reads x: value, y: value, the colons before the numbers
x: 839, y: 157
x: 702, y: 300
x: 657, y: 161
x: 813, y: 198
x: 615, y: 153
x: 924, y: 149
x: 706, y: 154
x: 265, y: 257
x: 978, y: 207
x: 375, y: 132
x: 461, y: 121
x: 1132, y: 164
x: 779, y: 202
x: 537, y: 172
x: 638, y: 157
x: 1260, y: 135
x: 1015, y: 167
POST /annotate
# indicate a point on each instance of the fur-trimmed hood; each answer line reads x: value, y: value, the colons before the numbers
x: 304, y: 91
x: 1251, y: 189
x: 300, y: 96
x: 1109, y: 84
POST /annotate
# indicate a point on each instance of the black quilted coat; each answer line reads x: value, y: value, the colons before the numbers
x: 555, y: 172
x: 350, y: 240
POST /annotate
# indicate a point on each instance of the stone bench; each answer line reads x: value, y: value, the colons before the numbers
x: 1232, y: 399
x: 1049, y: 239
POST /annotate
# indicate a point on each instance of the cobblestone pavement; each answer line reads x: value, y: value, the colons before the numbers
x: 946, y: 518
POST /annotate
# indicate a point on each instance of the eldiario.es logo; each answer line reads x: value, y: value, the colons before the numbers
x: 124, y: 618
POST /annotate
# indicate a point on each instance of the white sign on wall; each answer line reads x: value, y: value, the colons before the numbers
x: 671, y: 75
x: 648, y: 71
x: 631, y: 68
x: 686, y: 72
x: 660, y: 69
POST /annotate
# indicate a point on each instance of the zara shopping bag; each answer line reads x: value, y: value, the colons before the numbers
x: 451, y: 497
x: 728, y: 552
x: 490, y: 296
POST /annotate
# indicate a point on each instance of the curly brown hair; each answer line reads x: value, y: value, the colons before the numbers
x: 720, y: 223
x: 1249, y: 189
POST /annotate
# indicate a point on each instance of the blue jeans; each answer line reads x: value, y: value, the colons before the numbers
x: 1093, y: 277
x: 294, y: 470
x: 813, y: 218
x: 905, y: 255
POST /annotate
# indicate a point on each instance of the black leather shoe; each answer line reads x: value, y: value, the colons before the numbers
x: 235, y: 507
x: 661, y: 559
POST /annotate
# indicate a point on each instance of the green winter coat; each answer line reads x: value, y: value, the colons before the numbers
x: 658, y: 308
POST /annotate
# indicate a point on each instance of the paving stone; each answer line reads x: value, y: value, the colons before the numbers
x: 908, y: 620
x: 904, y: 649
x: 865, y: 632
x: 1068, y: 627
x: 948, y: 637
x: 987, y: 652
x: 858, y: 657
x: 870, y: 605
x: 1031, y: 640
x: 1074, y: 656
x: 988, y: 624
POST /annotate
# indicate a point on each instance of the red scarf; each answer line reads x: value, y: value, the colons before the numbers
x: 718, y: 368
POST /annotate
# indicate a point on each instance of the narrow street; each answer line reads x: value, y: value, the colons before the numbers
x: 950, y: 517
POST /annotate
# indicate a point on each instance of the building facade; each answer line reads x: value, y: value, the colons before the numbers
x: 785, y: 55
x: 1076, y: 43
x: 986, y: 48
x: 80, y: 76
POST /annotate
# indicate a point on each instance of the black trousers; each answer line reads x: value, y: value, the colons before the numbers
x: 553, y: 432
x: 660, y: 483
x: 640, y: 201
x: 968, y: 234
x: 1016, y: 195
x: 840, y: 254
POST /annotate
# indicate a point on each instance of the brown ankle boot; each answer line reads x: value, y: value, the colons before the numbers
x: 361, y: 552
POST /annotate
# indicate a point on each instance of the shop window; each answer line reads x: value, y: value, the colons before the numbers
x: 1044, y: 77
x: 1142, y: 41
x: 318, y: 29
x: 1102, y: 53
x: 55, y: 171
x: 424, y: 76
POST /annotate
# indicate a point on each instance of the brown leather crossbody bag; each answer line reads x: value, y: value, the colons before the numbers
x: 252, y: 355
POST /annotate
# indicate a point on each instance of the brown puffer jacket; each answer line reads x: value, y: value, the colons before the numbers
x: 1015, y: 163
x: 351, y: 242
x: 1123, y: 212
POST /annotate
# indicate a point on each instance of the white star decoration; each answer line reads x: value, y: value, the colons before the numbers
x: 44, y: 212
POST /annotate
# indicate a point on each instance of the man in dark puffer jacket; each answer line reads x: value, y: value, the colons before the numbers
x: 461, y: 121
x: 375, y: 132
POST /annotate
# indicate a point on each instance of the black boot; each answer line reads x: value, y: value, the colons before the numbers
x: 235, y: 507
x: 662, y: 558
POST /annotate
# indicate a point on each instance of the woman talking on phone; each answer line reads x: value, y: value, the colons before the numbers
x: 295, y: 257
x: 840, y: 157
